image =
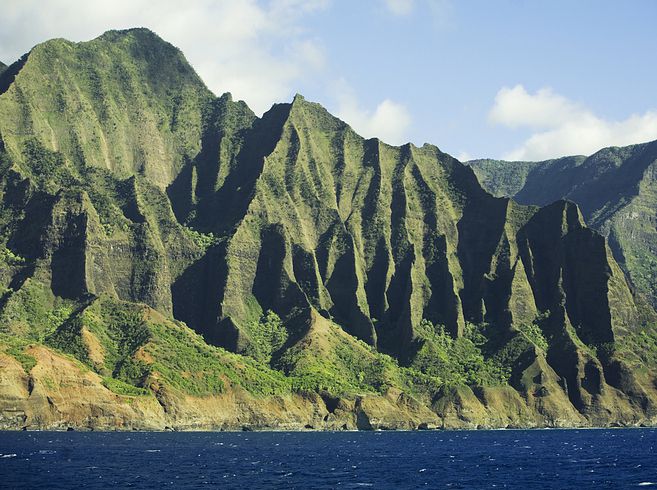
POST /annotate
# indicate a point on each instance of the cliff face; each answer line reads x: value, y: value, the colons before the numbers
x: 614, y: 188
x: 336, y: 281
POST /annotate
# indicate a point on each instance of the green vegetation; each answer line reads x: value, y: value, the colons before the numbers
x: 10, y: 258
x: 119, y: 330
x: 33, y: 312
x: 202, y: 240
x: 189, y: 364
x: 174, y: 243
x: 15, y: 347
x: 614, y: 188
x: 534, y: 333
x: 502, y: 179
x: 121, y: 388
x: 47, y: 167
x: 267, y: 336
x: 339, y: 364
x: 135, y: 350
x: 457, y: 361
x: 190, y: 367
x: 638, y: 347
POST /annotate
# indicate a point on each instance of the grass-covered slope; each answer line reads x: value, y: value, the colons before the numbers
x: 614, y: 188
x: 508, y: 179
x: 126, y: 101
x: 167, y: 258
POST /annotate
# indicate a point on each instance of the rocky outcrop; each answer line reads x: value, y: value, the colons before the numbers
x: 60, y: 393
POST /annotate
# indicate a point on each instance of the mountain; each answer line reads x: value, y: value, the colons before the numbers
x: 169, y: 259
x: 2, y: 67
x: 615, y: 189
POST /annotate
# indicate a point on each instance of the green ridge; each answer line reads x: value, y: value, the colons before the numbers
x: 177, y: 245
x: 614, y: 188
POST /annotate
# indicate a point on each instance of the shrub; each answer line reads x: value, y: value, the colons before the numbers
x: 459, y: 360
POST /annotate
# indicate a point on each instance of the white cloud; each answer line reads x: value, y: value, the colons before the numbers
x: 563, y: 127
x: 257, y: 51
x: 516, y: 107
x: 389, y: 121
x: 464, y: 156
x: 400, y: 7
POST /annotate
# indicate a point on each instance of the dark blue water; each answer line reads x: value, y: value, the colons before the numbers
x: 615, y: 458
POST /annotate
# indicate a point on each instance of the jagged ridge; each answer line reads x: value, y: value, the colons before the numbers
x: 614, y: 188
x: 127, y: 181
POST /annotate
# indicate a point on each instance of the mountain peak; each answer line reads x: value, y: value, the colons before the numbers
x: 312, y: 114
x: 140, y: 36
x: 129, y: 87
x: 142, y: 33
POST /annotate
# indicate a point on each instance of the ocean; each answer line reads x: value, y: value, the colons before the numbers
x: 527, y: 459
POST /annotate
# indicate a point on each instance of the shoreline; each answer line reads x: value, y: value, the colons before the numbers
x: 331, y: 431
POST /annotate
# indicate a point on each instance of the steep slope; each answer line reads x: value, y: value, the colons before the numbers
x: 360, y: 230
x: 508, y: 179
x: 615, y: 189
x: 336, y: 281
x: 126, y: 101
x: 2, y: 67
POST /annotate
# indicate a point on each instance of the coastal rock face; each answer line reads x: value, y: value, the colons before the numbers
x: 615, y: 188
x: 168, y: 259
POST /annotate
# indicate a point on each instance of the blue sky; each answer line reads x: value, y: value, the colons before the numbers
x: 515, y: 79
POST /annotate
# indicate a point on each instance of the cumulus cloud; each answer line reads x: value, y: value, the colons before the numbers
x: 389, y: 121
x: 257, y: 51
x: 400, y: 7
x: 516, y: 107
x: 564, y: 127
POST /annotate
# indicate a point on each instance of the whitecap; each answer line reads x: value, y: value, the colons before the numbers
x: 8, y: 456
x: 646, y: 484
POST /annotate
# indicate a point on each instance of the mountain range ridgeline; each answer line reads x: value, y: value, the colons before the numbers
x: 168, y: 259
